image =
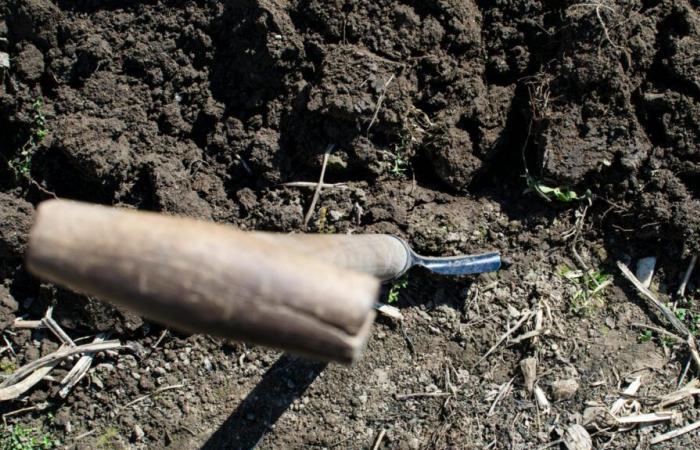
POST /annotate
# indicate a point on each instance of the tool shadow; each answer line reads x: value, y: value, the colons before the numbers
x: 285, y: 381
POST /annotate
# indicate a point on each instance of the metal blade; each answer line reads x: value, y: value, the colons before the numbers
x: 460, y: 265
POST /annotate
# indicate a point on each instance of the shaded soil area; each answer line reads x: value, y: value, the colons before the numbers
x: 462, y: 126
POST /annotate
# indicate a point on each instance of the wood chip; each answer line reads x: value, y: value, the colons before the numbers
x: 649, y: 417
x: 541, y: 399
x: 675, y: 433
x: 390, y: 311
x: 529, y: 368
x: 689, y: 390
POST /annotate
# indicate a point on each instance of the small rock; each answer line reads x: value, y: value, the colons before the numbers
x: 138, y: 433
x: 577, y: 438
x: 4, y: 61
x: 645, y: 270
x: 335, y: 215
x: 97, y: 382
x: 207, y: 364
x: 564, y: 389
x: 610, y: 322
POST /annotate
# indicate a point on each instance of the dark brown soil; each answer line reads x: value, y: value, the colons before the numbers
x: 437, y: 110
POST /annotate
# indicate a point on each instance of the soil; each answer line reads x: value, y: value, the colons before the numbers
x: 445, y: 116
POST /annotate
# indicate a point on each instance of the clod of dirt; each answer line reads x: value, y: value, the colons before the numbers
x: 15, y: 221
x: 353, y: 81
x: 564, y: 389
x: 96, y: 147
x: 8, y: 307
x: 36, y: 21
x: 453, y: 159
x: 30, y: 63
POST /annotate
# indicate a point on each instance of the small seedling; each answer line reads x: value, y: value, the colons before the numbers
x: 589, y: 288
x: 681, y: 313
x: 22, y: 163
x: 107, y: 438
x: 549, y: 193
x: 396, y: 288
x: 399, y: 165
x: 18, y: 437
x: 645, y: 336
x: 7, y: 367
x: 322, y: 223
x: 667, y: 341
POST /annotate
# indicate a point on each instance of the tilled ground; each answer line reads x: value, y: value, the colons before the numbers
x: 448, y: 118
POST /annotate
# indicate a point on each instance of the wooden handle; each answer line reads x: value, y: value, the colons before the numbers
x: 203, y: 277
x: 381, y: 255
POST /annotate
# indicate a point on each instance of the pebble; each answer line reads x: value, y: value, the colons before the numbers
x: 564, y: 389
x: 138, y: 433
x: 207, y: 364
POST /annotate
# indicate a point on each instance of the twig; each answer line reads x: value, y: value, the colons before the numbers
x: 686, y: 277
x: 660, y: 331
x: 527, y: 315
x: 675, y: 322
x: 379, y: 440
x: 160, y: 338
x: 17, y: 389
x: 84, y: 435
x: 56, y: 329
x: 685, y: 371
x: 79, y: 370
x: 502, y: 392
x: 8, y: 345
x: 56, y: 357
x: 686, y: 391
x: 156, y: 392
x: 38, y: 407
x: 675, y: 433
x: 528, y: 335
x: 647, y: 418
x: 311, y: 184
x: 21, y: 323
x: 317, y: 192
x: 380, y: 100
x: 421, y: 394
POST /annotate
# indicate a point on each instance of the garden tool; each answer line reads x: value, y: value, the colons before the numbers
x: 383, y: 255
x: 306, y: 293
x: 202, y: 277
